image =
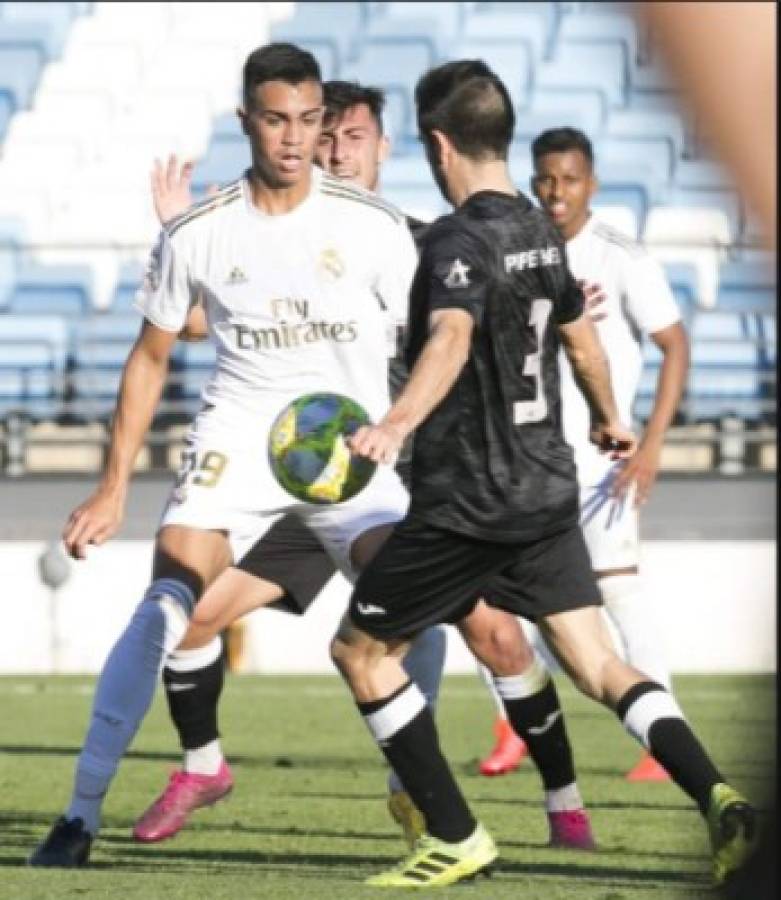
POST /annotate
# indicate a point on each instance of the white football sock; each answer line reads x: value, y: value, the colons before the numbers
x: 563, y: 799
x: 488, y: 680
x: 637, y: 623
x: 204, y: 760
x: 125, y: 689
x: 424, y: 663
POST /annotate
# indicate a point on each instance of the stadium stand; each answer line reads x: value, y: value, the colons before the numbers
x: 91, y: 92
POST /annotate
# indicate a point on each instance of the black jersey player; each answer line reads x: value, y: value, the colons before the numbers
x: 494, y: 501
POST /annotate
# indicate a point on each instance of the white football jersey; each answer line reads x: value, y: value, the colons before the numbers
x: 296, y: 303
x: 639, y: 302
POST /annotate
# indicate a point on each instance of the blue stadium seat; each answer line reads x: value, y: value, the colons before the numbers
x: 39, y: 36
x: 523, y: 27
x: 10, y: 238
x: 746, y: 287
x: 578, y: 65
x: 33, y: 352
x: 192, y: 365
x: 19, y: 71
x: 98, y: 354
x: 227, y: 127
x: 682, y: 277
x: 225, y: 161
x: 128, y: 282
x: 337, y: 25
x: 6, y: 111
x: 554, y: 107
x: 51, y: 290
x: 417, y: 29
x: 449, y: 18
x: 727, y: 201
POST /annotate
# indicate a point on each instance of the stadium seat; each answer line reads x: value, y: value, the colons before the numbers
x: 51, y: 290
x: 417, y: 29
x: 577, y: 65
x: 592, y: 27
x: 338, y: 24
x: 530, y: 23
x: 682, y: 277
x: 645, y: 125
x: 723, y: 201
x: 697, y: 236
x: 39, y: 36
x: 19, y: 71
x: 746, y: 287
x: 10, y: 238
x: 701, y: 174
x: 225, y: 160
x: 128, y: 281
x: 651, y: 158
x: 6, y: 111
x: 556, y: 107
x: 449, y: 17
x: 191, y: 367
x: 33, y: 352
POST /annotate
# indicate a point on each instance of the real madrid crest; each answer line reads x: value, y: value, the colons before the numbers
x: 331, y: 265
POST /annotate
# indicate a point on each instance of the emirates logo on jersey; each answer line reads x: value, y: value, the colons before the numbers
x: 457, y: 276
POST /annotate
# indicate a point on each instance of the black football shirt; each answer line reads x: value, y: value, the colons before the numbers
x: 490, y: 461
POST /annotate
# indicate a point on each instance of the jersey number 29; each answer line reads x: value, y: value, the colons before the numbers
x: 526, y: 411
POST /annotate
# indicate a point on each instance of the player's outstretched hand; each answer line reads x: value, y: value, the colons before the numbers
x: 619, y: 442
x: 94, y: 522
x: 380, y: 443
x: 171, y: 188
x: 640, y: 471
x: 595, y: 298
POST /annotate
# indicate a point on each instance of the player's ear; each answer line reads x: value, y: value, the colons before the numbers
x: 242, y: 114
x: 383, y: 148
x: 441, y: 146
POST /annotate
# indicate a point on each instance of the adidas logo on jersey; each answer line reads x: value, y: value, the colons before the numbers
x: 236, y: 276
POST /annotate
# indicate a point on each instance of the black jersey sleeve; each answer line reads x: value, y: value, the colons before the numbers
x: 456, y: 273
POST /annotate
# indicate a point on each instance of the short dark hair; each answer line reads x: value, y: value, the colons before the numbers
x: 468, y: 103
x: 278, y: 62
x: 339, y: 96
x: 562, y: 140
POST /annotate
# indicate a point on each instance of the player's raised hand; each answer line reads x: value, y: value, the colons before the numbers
x: 614, y: 439
x: 380, y: 443
x: 171, y: 193
x: 595, y: 298
x: 94, y: 522
x: 640, y: 471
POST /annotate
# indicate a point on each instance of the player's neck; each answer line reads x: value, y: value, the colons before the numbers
x: 473, y: 178
x: 574, y: 228
x: 275, y: 200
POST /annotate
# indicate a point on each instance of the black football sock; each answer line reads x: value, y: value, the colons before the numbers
x: 193, y: 697
x: 404, y: 729
x: 651, y: 715
x: 532, y: 706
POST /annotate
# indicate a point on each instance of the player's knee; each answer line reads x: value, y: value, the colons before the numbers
x: 498, y: 641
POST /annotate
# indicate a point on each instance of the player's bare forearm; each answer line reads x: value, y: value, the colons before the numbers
x: 590, y: 368
x: 433, y: 375
x: 674, y: 344
x: 139, y: 393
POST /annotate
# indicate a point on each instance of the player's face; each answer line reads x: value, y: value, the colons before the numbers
x: 282, y: 122
x: 564, y: 184
x: 352, y: 147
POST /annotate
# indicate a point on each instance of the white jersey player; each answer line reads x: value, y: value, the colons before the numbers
x: 298, y: 273
x: 637, y: 303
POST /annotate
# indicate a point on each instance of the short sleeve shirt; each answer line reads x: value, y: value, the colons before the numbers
x: 491, y: 461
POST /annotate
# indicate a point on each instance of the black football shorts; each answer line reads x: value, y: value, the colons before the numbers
x: 290, y: 555
x: 425, y: 575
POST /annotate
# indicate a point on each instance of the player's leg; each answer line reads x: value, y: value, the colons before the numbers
x: 186, y: 561
x: 193, y: 679
x: 611, y: 530
x: 530, y: 699
x: 652, y: 716
x: 420, y: 576
x: 509, y: 749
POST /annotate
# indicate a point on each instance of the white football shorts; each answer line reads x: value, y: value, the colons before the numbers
x: 234, y: 490
x: 610, y: 525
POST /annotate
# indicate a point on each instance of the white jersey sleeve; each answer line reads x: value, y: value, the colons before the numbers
x: 649, y: 301
x: 167, y: 292
x: 395, y: 269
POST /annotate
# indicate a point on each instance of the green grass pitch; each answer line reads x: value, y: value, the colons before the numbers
x: 307, y: 817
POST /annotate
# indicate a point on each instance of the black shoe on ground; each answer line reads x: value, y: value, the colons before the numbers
x: 66, y: 846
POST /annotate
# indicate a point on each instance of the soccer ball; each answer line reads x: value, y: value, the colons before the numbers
x: 308, y: 453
